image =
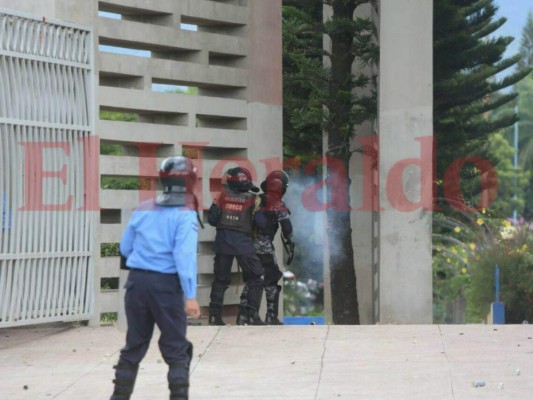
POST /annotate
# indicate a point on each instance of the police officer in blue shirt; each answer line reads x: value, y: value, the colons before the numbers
x: 160, y: 247
x: 232, y: 214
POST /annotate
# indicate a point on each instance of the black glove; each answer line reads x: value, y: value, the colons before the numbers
x: 291, y: 245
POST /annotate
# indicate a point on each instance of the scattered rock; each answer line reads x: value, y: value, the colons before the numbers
x: 25, y: 387
x: 478, y: 383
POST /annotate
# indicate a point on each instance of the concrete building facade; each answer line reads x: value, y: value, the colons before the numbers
x: 227, y: 54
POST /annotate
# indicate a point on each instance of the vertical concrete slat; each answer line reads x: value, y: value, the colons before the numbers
x: 405, y: 114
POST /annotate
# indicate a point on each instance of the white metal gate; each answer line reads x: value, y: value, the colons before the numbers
x: 46, y: 117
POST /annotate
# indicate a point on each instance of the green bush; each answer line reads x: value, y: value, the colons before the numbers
x: 512, y: 252
x: 456, y: 241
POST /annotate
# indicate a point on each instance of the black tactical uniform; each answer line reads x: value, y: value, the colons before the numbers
x: 271, y: 214
x: 232, y: 213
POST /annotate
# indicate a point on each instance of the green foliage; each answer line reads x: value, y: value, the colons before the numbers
x: 524, y: 102
x: 117, y: 116
x: 108, y: 318
x: 525, y: 110
x: 526, y: 43
x: 109, y: 250
x: 456, y: 239
x: 304, y: 79
x: 465, y: 253
x: 512, y: 182
x: 114, y: 183
x: 188, y: 90
x: 467, y: 58
x: 299, y: 300
x: 512, y: 252
x: 108, y: 149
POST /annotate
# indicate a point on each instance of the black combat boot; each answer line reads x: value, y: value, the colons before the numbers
x: 125, y: 375
x: 255, y: 293
x: 272, y: 297
x: 215, y: 306
x: 253, y: 317
x: 242, y: 316
x: 215, y: 314
x: 178, y: 378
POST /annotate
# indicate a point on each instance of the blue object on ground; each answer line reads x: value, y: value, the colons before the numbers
x: 303, y: 320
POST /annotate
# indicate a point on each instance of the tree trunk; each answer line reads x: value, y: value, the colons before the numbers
x: 339, y: 128
x: 342, y: 269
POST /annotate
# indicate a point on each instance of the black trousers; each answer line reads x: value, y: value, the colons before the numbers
x: 154, y: 298
x: 252, y: 274
x: 272, y: 272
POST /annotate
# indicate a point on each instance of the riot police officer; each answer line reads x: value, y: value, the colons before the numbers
x: 271, y: 214
x: 160, y: 247
x: 232, y: 213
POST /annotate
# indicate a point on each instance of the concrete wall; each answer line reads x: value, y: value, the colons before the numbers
x: 233, y: 59
x: 405, y: 115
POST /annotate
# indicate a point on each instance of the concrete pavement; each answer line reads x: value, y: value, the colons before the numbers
x: 380, y: 362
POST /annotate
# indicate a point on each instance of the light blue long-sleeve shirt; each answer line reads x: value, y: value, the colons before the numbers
x: 163, y: 239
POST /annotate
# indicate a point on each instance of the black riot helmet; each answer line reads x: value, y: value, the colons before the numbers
x: 239, y: 179
x: 276, y: 183
x: 177, y: 174
x: 178, y: 177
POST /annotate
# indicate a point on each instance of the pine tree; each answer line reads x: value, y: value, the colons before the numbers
x: 467, y: 58
x: 303, y: 78
x: 323, y: 99
x: 526, y: 43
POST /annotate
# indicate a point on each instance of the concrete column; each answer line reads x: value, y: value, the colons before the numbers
x: 265, y: 93
x: 362, y: 217
x: 405, y: 116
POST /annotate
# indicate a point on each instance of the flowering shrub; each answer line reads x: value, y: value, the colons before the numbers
x: 466, y: 252
x: 512, y: 252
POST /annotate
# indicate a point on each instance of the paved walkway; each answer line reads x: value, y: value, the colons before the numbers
x: 286, y: 362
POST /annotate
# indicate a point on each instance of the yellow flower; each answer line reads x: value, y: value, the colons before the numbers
x: 524, y: 248
x: 457, y: 229
x: 480, y: 221
x: 483, y: 210
x: 454, y: 250
x: 463, y: 271
x: 448, y: 260
x: 506, y: 223
x: 472, y: 246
